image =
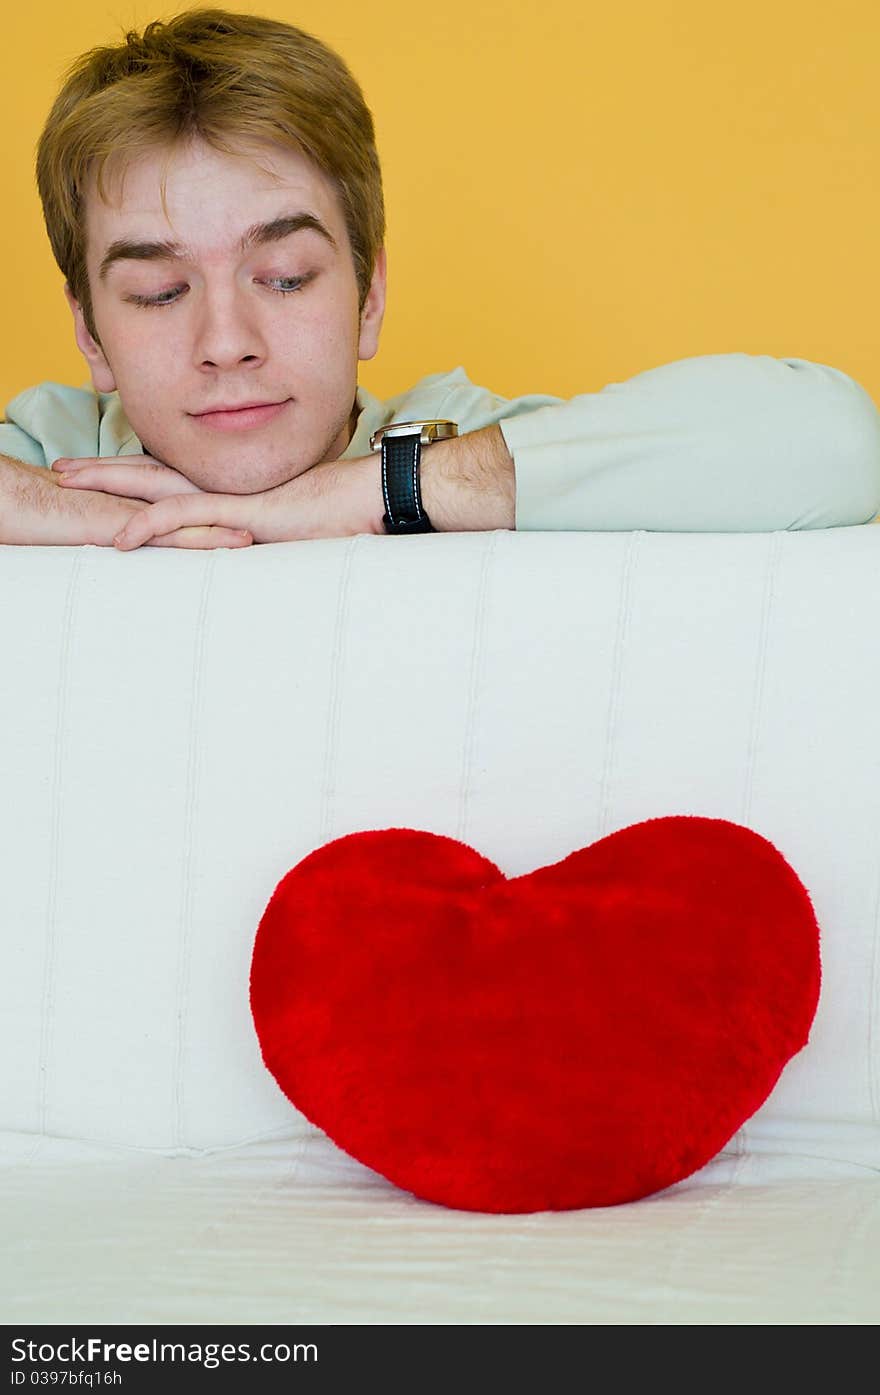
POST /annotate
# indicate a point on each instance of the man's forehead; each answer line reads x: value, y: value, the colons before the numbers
x: 141, y: 193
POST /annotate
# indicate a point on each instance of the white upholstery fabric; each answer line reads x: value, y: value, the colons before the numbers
x: 297, y: 1232
x: 178, y: 728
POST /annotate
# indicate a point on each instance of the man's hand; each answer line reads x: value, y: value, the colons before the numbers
x: 144, y: 480
x: 34, y: 510
x: 335, y: 499
x: 132, y: 476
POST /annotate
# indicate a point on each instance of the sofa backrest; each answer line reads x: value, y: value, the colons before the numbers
x: 179, y: 728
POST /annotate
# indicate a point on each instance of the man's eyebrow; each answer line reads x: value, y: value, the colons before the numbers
x: 125, y: 249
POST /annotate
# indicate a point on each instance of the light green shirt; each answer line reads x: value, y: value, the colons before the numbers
x: 718, y: 443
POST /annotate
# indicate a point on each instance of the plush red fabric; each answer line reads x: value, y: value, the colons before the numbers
x: 582, y: 1035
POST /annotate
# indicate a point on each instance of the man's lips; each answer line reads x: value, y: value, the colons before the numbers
x: 241, y: 418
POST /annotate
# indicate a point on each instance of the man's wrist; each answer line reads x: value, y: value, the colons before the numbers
x: 370, y: 504
x: 468, y: 483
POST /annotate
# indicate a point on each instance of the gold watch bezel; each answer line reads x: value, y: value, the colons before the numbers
x: 436, y: 429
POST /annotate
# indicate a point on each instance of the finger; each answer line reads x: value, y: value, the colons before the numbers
x: 64, y: 463
x: 126, y: 481
x: 202, y: 538
x: 180, y: 511
x: 73, y: 462
x: 122, y: 482
x: 152, y: 482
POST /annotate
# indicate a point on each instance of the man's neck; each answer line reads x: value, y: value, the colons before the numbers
x: 353, y: 421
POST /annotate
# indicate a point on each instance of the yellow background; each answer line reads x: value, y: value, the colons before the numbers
x: 575, y: 192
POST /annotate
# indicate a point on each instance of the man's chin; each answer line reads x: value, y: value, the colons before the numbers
x: 238, y: 481
x: 226, y: 477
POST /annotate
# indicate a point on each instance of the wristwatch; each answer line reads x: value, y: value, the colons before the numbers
x: 401, y: 445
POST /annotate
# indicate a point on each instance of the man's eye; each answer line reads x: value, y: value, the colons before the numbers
x: 163, y: 298
x: 280, y: 285
x: 285, y: 285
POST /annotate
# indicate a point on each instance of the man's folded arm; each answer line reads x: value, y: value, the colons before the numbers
x: 27, y: 495
x: 719, y: 443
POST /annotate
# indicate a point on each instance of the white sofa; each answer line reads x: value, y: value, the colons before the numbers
x: 179, y: 728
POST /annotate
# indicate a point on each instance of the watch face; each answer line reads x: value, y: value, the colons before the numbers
x: 437, y: 429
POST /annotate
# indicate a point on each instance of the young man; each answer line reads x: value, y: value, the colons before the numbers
x: 213, y: 197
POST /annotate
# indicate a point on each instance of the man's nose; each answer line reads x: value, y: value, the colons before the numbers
x: 227, y: 330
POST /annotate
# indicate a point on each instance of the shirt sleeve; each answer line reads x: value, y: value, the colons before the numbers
x: 719, y: 443
x: 51, y: 420
x: 20, y: 445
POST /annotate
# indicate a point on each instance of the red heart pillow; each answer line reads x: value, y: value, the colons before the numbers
x: 583, y: 1035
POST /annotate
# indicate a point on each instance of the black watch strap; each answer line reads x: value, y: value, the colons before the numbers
x: 401, y: 458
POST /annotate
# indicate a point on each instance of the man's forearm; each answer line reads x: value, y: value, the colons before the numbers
x: 24, y: 494
x: 468, y: 483
x: 35, y: 511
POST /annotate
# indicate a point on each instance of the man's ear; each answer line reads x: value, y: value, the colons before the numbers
x: 374, y: 309
x: 102, y: 375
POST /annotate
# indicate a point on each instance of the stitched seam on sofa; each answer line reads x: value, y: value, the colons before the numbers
x: 337, y: 667
x: 621, y: 636
x: 47, y: 1022
x: 476, y: 684
x: 187, y: 881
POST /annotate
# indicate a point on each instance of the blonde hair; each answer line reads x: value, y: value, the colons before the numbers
x: 228, y: 79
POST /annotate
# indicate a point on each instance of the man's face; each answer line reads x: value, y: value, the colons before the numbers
x: 224, y: 326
